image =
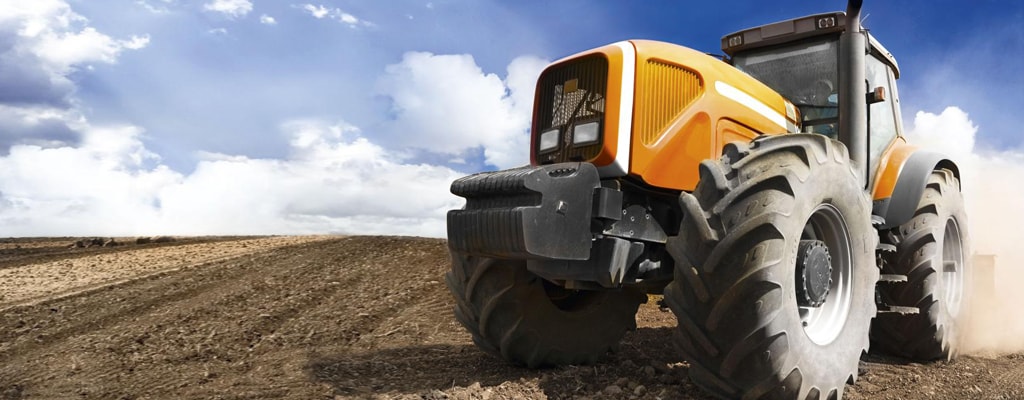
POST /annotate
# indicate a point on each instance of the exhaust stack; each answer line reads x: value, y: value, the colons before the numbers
x: 853, y: 116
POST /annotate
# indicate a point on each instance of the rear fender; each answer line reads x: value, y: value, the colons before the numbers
x: 902, y: 182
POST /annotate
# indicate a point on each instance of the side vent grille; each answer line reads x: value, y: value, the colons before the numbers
x: 663, y: 92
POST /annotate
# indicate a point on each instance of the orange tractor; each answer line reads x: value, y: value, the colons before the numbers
x: 770, y: 197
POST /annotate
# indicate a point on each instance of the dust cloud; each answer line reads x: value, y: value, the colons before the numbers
x: 994, y: 195
x: 995, y: 206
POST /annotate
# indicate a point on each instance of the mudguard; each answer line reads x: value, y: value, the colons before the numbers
x: 906, y: 195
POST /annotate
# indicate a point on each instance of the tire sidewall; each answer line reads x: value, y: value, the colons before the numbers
x: 509, y: 314
x: 949, y: 206
x: 740, y: 324
x: 830, y: 362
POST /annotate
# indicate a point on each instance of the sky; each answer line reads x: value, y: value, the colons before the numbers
x: 200, y: 117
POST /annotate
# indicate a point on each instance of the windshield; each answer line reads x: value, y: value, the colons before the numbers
x: 806, y: 73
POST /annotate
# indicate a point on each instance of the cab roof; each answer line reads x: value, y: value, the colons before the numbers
x: 796, y: 29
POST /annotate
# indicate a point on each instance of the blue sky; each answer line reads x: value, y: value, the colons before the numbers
x: 249, y: 116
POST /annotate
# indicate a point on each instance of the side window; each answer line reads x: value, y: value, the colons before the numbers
x: 882, y: 115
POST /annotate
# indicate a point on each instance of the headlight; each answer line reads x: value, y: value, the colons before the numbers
x: 585, y: 133
x: 735, y: 41
x: 549, y: 140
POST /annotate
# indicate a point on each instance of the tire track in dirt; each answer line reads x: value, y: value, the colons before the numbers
x: 1013, y: 378
x: 17, y: 252
x: 55, y: 323
x: 82, y: 273
x: 232, y: 318
x: 254, y: 325
x: 173, y: 294
x: 358, y: 317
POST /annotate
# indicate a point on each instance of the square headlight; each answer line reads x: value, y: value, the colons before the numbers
x: 549, y: 140
x: 585, y: 133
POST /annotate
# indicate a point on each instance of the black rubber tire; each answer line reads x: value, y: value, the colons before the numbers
x: 511, y: 315
x: 921, y: 249
x: 734, y: 292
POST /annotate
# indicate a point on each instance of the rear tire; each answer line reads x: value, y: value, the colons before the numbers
x: 735, y: 289
x: 932, y: 251
x: 526, y: 320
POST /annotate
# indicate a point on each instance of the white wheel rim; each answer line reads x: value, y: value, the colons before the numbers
x: 824, y: 323
x: 952, y: 267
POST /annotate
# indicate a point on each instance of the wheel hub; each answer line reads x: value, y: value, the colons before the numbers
x: 813, y: 273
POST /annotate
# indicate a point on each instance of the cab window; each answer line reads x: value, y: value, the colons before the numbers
x: 881, y: 115
x: 804, y: 72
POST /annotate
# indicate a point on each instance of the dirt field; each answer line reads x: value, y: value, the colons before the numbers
x: 325, y: 317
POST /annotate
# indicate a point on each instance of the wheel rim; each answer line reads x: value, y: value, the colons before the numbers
x: 824, y: 323
x: 952, y: 267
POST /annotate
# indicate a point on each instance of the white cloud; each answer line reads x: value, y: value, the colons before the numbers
x: 136, y: 42
x: 267, y: 20
x: 321, y: 12
x: 334, y: 181
x: 218, y: 31
x: 348, y: 18
x: 40, y: 125
x: 317, y: 12
x: 44, y: 43
x: 950, y: 132
x: 34, y: 18
x: 447, y: 104
x: 78, y: 48
x: 152, y: 8
x: 230, y: 8
x: 48, y: 29
x: 97, y: 184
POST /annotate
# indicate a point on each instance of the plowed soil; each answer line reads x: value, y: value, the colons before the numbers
x: 326, y: 317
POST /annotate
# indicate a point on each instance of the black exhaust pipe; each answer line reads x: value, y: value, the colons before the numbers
x: 853, y: 115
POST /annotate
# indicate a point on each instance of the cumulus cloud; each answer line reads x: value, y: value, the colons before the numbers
x: 995, y: 214
x: 155, y: 9
x: 38, y: 125
x: 267, y: 20
x: 136, y: 42
x: 60, y: 174
x: 321, y: 12
x: 230, y: 8
x: 447, y: 104
x: 101, y: 183
x: 333, y: 181
x: 42, y: 43
x: 317, y: 12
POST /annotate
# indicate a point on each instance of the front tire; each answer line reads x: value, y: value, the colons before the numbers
x: 526, y: 320
x: 735, y: 294
x: 932, y: 251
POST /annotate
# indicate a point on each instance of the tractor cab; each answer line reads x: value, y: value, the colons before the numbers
x: 802, y: 60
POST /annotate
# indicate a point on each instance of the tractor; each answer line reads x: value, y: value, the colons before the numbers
x: 769, y: 195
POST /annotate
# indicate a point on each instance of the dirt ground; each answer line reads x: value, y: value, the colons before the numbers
x: 326, y: 317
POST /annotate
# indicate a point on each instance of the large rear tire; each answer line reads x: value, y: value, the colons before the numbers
x: 737, y: 280
x: 516, y: 315
x: 932, y: 251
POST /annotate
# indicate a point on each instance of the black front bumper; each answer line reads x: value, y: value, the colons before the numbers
x: 533, y: 213
x: 560, y: 218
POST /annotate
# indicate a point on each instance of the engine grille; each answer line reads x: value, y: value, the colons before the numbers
x: 571, y: 94
x: 663, y: 92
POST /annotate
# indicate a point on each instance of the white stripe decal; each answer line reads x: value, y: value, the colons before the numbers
x: 620, y: 166
x: 790, y: 117
x: 750, y: 102
x: 790, y: 111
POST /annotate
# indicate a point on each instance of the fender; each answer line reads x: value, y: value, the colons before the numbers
x: 903, y: 198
